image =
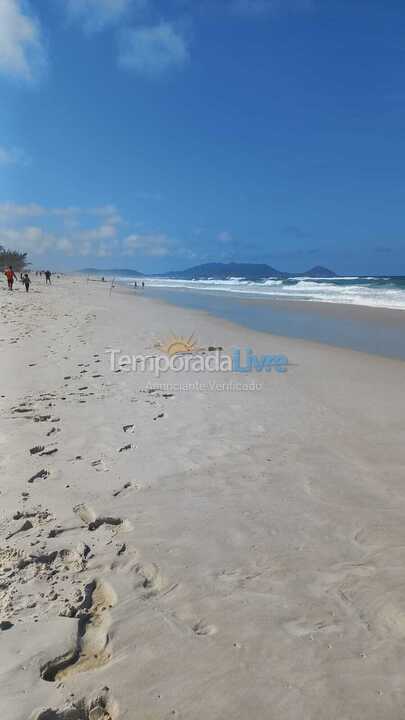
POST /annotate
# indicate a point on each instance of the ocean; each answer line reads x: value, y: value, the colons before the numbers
x: 376, y: 292
x: 360, y: 313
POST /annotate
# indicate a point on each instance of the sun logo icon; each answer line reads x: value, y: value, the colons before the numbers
x: 178, y: 345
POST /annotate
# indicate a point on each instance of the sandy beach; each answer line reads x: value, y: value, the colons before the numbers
x: 214, y: 552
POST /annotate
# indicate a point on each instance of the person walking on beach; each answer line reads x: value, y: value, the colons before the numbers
x: 27, y: 282
x: 10, y: 275
x: 48, y: 277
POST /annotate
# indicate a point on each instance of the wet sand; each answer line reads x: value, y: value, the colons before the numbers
x: 366, y: 329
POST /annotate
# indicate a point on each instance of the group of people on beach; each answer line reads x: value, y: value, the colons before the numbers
x: 24, y: 278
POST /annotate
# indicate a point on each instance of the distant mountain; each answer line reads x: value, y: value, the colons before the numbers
x: 218, y: 271
x: 114, y: 272
x: 221, y: 271
x: 248, y: 271
x: 318, y: 272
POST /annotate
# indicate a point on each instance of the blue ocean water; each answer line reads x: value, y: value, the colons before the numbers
x: 377, y: 292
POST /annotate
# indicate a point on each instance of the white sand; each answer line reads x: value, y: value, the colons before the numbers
x: 253, y: 567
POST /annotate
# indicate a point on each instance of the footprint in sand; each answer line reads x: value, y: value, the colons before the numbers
x: 26, y: 525
x: 52, y: 451
x: 6, y: 625
x: 40, y: 450
x: 94, y: 521
x: 40, y: 475
x: 37, y: 449
x: 100, y: 707
x: 128, y: 428
x: 124, y: 487
x: 99, y: 466
x: 75, y: 560
x: 23, y: 409
x: 150, y: 578
x: 147, y: 577
x: 92, y: 648
x: 52, y: 431
x: 202, y: 628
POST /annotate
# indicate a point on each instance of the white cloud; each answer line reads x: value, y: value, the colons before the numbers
x: 65, y: 245
x: 153, y: 50
x: 102, y: 232
x: 96, y: 15
x: 109, y: 213
x: 12, y: 155
x: 86, y: 249
x: 65, y: 230
x: 31, y: 239
x: 68, y: 213
x: 75, y: 231
x: 12, y: 211
x: 21, y: 50
x: 156, y: 245
x: 104, y: 250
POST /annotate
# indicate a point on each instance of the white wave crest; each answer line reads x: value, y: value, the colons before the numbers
x: 308, y: 289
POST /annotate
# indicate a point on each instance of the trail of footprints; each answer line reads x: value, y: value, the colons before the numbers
x: 54, y: 571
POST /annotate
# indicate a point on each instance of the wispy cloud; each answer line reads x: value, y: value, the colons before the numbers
x: 109, y: 213
x: 155, y: 245
x: 153, y: 50
x: 14, y: 211
x: 22, y: 52
x: 37, y: 240
x: 11, y: 211
x: 96, y: 15
x: 31, y: 239
x: 102, y: 232
x: 13, y: 156
x: 76, y: 231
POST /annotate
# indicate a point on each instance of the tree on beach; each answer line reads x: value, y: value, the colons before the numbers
x: 17, y: 260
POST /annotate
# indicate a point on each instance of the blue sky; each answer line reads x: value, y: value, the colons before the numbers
x: 158, y: 135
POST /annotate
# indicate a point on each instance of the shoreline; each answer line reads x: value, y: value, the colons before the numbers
x: 236, y: 327
x: 245, y: 542
x: 379, y: 331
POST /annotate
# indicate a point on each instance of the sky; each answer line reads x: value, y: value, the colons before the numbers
x: 160, y: 134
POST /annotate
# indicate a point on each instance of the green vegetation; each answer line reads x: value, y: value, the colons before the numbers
x: 17, y: 260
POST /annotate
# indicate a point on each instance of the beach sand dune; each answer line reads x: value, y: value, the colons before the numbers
x: 210, y: 552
